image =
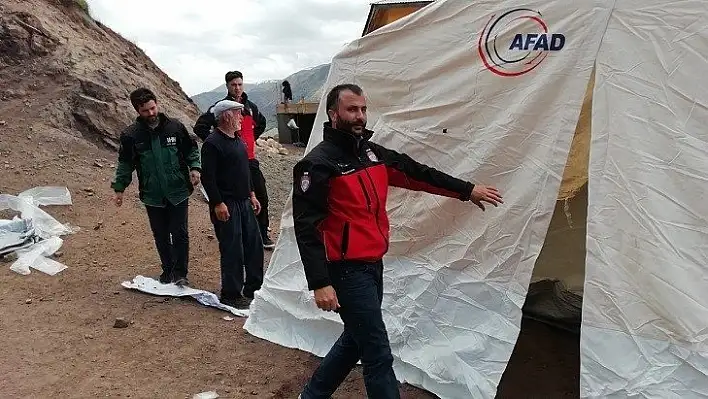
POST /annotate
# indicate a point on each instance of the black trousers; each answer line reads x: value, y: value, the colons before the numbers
x: 241, y: 246
x: 359, y: 289
x: 295, y: 135
x: 171, y: 234
x: 259, y: 188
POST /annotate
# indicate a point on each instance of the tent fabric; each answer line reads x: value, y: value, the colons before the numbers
x: 456, y: 278
x: 645, y: 310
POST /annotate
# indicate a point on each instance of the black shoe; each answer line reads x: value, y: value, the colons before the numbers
x: 182, y: 281
x: 238, y: 303
x: 268, y: 243
x: 165, y: 278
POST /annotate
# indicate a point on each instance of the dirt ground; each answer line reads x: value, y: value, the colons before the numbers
x: 58, y: 339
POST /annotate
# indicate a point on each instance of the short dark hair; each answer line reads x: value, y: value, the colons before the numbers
x: 140, y: 96
x: 333, y: 95
x: 231, y: 75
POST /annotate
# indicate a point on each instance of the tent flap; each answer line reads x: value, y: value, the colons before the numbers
x: 645, y: 309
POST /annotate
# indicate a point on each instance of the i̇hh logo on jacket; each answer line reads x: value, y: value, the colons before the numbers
x: 516, y: 42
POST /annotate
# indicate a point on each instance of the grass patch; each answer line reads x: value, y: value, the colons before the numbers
x: 83, y: 5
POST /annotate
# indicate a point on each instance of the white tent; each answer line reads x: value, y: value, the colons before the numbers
x: 448, y: 86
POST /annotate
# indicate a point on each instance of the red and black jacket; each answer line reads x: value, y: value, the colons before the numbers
x: 339, y: 199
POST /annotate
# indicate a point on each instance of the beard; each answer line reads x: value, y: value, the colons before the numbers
x: 151, y: 120
x: 232, y: 124
x: 355, y: 127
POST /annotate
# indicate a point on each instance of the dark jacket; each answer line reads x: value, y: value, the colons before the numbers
x: 206, y: 122
x: 162, y: 158
x: 339, y: 200
x: 225, y: 173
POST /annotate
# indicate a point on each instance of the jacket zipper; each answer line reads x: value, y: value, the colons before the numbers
x: 345, y: 240
x: 378, y: 208
x: 366, y: 193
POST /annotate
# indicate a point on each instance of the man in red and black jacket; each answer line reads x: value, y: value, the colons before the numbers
x: 342, y: 231
x: 253, y: 125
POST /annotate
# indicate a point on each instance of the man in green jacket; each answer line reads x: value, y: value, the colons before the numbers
x: 168, y: 166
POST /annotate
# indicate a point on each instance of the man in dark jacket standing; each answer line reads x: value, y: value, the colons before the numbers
x: 167, y: 162
x: 232, y: 203
x: 342, y: 231
x: 253, y: 125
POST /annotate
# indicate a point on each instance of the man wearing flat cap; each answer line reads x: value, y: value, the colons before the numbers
x: 233, y: 206
x: 252, y: 126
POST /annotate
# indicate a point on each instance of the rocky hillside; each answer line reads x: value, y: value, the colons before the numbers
x: 75, y: 73
x: 307, y: 83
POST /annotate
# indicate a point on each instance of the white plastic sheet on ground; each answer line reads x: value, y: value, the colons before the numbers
x: 16, y: 234
x: 204, y: 193
x: 645, y: 311
x: 45, y: 227
x: 455, y: 277
x: 151, y: 286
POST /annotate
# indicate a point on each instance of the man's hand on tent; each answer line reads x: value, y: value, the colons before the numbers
x: 326, y: 298
x: 485, y: 194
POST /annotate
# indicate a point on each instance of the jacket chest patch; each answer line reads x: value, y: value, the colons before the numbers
x: 170, y: 141
x: 346, y: 168
x: 370, y: 154
x: 305, y: 182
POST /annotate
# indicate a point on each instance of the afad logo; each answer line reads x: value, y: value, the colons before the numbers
x: 516, y: 42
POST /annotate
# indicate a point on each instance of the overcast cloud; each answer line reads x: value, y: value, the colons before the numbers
x: 197, y: 41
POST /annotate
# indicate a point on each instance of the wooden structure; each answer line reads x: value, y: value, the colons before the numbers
x: 304, y: 115
x: 386, y: 11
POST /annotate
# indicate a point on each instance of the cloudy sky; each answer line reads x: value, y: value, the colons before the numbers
x: 197, y: 41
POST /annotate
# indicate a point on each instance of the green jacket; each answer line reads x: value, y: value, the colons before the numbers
x: 162, y: 158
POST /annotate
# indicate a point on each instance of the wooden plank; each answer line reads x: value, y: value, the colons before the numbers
x: 298, y: 108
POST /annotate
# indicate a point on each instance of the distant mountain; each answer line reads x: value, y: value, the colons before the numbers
x: 308, y: 83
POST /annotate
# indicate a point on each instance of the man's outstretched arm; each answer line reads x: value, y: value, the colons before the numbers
x: 406, y: 173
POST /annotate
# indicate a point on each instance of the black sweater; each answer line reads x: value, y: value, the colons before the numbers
x: 225, y: 171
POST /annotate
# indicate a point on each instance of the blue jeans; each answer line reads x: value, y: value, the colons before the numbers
x: 359, y: 289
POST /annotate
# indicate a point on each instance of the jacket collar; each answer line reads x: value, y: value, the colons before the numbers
x: 244, y: 98
x: 246, y: 111
x: 161, y: 117
x: 345, y: 140
x: 236, y: 135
